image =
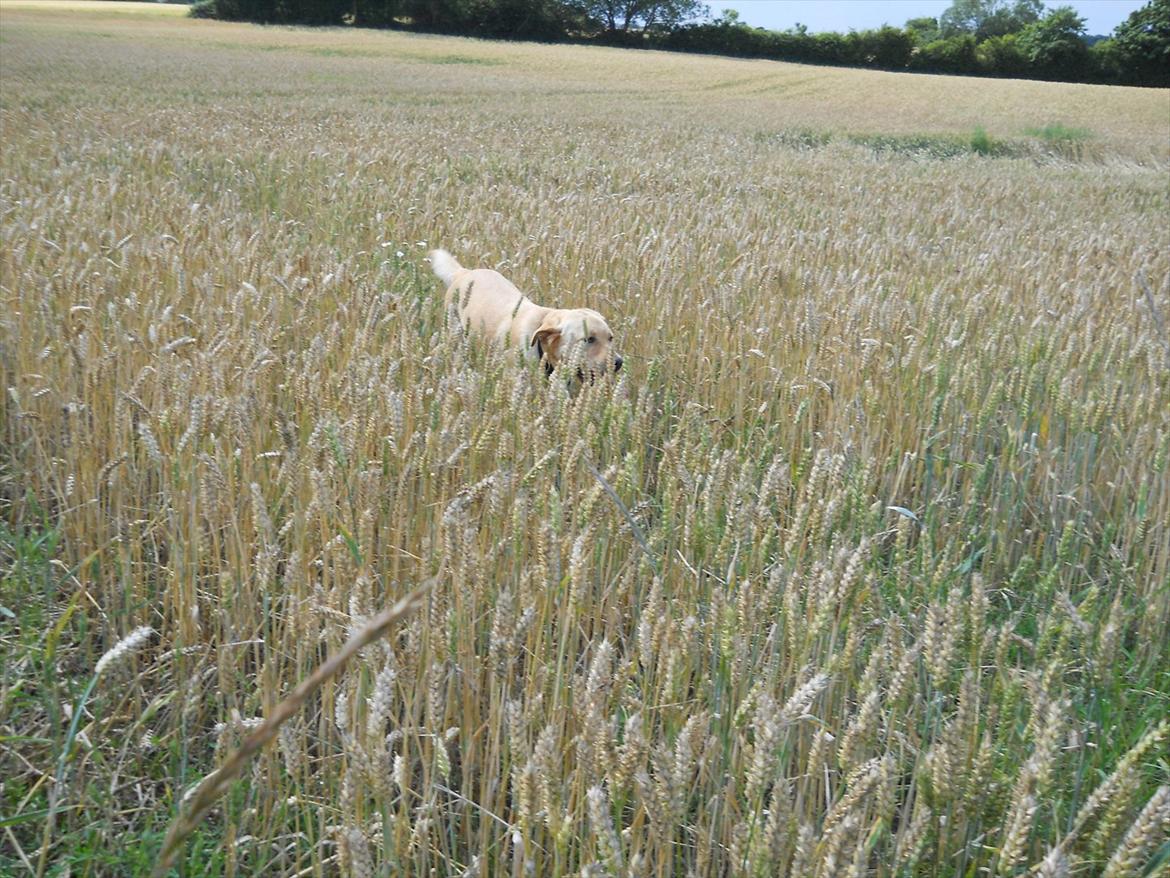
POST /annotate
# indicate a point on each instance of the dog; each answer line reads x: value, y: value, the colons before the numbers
x: 491, y: 306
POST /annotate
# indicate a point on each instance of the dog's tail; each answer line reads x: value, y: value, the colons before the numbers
x: 445, y: 265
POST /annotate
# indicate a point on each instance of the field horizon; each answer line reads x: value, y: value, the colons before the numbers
x: 1020, y: 111
x: 860, y: 566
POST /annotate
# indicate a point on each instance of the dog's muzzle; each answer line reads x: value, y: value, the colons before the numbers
x: 617, y: 364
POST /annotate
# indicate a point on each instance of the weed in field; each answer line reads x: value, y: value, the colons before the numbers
x: 1057, y: 133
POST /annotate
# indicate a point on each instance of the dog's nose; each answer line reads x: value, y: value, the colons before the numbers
x: 617, y: 363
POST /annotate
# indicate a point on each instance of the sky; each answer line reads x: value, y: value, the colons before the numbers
x: 1101, y: 16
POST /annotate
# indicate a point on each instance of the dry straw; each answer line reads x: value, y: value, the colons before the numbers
x: 214, y: 785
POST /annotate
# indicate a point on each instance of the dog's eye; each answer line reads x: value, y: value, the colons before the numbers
x: 611, y: 338
x: 591, y: 340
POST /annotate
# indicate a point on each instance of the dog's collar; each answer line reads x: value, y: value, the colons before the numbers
x: 548, y: 367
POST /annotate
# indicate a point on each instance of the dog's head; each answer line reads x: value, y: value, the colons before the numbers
x: 578, y: 335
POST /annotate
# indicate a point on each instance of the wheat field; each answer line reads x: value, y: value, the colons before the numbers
x: 860, y: 567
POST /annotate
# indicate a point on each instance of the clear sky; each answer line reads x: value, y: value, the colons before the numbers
x: 1101, y: 16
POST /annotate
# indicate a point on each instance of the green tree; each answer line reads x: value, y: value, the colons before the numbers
x: 624, y: 16
x: 520, y: 19
x: 447, y: 15
x: 924, y: 30
x: 375, y: 13
x: 989, y: 18
x: 951, y: 55
x: 1001, y: 56
x: 1142, y: 45
x: 887, y: 47
x: 1055, y: 47
x: 315, y: 11
x: 1106, y: 61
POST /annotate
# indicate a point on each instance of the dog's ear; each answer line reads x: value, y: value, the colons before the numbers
x: 547, y: 338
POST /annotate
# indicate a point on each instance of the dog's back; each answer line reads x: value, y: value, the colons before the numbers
x: 486, y: 301
x: 492, y: 289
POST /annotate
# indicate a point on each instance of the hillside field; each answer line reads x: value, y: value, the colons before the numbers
x: 860, y: 566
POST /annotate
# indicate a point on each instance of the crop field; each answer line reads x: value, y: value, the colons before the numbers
x: 859, y: 567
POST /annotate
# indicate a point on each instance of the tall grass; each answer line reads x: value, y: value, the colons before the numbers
x: 860, y: 567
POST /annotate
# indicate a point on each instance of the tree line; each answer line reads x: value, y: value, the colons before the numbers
x: 1006, y: 38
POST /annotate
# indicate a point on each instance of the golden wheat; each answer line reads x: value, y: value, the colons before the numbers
x: 860, y: 567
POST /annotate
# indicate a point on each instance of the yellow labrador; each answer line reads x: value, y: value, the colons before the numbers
x: 491, y: 305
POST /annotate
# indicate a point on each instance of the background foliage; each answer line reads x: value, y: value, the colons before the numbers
x: 973, y: 37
